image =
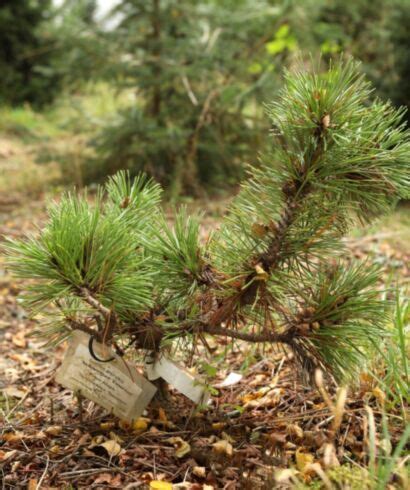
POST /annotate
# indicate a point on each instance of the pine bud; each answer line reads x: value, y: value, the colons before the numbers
x: 125, y: 203
x: 325, y: 122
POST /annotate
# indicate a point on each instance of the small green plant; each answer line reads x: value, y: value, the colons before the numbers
x: 383, y: 460
x: 117, y: 270
x: 392, y: 368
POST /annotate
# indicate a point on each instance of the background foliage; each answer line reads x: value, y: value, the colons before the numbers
x: 175, y: 87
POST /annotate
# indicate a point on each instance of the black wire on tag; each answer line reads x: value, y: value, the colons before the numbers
x: 92, y: 353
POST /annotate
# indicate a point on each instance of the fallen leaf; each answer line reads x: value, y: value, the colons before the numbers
x: 54, y: 430
x: 103, y: 478
x: 26, y: 362
x: 182, y: 447
x: 252, y: 396
x: 13, y: 436
x: 116, y: 438
x: 303, y: 460
x: 295, y: 430
x: 259, y: 379
x: 84, y: 439
x: 141, y: 424
x: 117, y: 481
x: 56, y: 449
x: 15, y: 392
x: 5, y: 455
x: 96, y: 441
x: 32, y: 484
x: 199, y: 471
x: 223, y: 447
x: 107, y: 425
x: 40, y: 435
x: 227, y: 437
x: 19, y: 340
x: 112, y: 447
x: 277, y: 439
x: 160, y: 485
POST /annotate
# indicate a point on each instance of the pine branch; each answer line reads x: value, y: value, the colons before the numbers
x: 106, y: 312
x: 338, y: 158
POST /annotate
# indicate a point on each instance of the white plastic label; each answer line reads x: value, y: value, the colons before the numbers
x: 181, y: 379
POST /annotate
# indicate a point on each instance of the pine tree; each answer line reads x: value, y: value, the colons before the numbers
x: 26, y: 51
x: 374, y: 31
x: 192, y: 119
x: 272, y: 273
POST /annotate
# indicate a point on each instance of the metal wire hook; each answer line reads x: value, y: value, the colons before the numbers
x: 92, y: 353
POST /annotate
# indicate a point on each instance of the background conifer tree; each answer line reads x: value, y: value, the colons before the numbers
x: 272, y: 273
x: 26, y: 53
x: 192, y: 120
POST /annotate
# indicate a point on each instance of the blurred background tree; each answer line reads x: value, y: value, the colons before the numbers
x: 26, y: 53
x: 196, y: 69
x: 185, y: 80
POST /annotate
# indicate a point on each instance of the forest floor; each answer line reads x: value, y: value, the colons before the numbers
x: 267, y: 429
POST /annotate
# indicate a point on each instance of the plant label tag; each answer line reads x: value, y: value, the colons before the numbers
x: 177, y: 376
x: 113, y: 385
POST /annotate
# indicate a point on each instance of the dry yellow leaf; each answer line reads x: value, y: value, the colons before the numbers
x: 182, y: 447
x: 295, y: 430
x: 107, y: 425
x: 303, y: 460
x: 160, y: 485
x: 54, y: 430
x: 223, y: 447
x: 141, y: 424
x: 112, y: 447
x: 97, y: 440
x: 218, y: 425
x: 13, y: 436
x: 55, y: 449
x: 199, y: 471
x: 252, y: 396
